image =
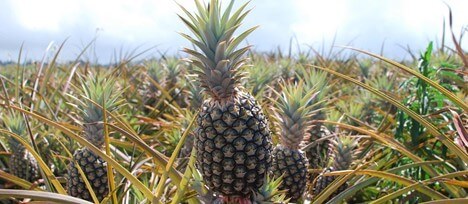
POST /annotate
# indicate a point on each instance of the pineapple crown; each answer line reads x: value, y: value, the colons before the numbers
x: 343, y: 152
x: 351, y: 107
x: 173, y: 68
x: 14, y: 122
x: 294, y: 113
x: 155, y: 71
x: 219, y: 61
x: 314, y: 79
x: 270, y: 193
x: 195, y: 92
x: 98, y: 91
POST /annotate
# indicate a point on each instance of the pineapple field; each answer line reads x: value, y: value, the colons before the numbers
x: 221, y: 123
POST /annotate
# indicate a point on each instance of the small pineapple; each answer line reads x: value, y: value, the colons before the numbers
x: 343, y: 155
x: 316, y: 80
x: 195, y: 97
x: 294, y: 121
x: 174, y: 68
x: 22, y: 162
x: 194, y: 100
x: 164, y: 74
x: 149, y: 91
x: 232, y: 137
x: 101, y: 91
x: 190, y: 139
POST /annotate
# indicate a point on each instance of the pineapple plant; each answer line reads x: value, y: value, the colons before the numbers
x: 149, y: 90
x: 343, y: 151
x: 195, y: 97
x: 22, y: 163
x: 162, y: 74
x: 317, y: 153
x: 270, y: 193
x: 96, y: 90
x: 188, y: 144
x: 294, y: 116
x: 173, y: 84
x: 233, y: 141
x: 261, y: 75
x: 194, y: 100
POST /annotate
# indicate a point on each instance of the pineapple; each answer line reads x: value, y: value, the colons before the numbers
x: 173, y: 84
x: 343, y: 155
x: 96, y: 172
x: 317, y: 154
x: 149, y: 90
x: 22, y: 162
x: 268, y: 193
x: 99, y: 90
x: 166, y: 73
x: 195, y: 99
x: 233, y: 141
x: 294, y: 121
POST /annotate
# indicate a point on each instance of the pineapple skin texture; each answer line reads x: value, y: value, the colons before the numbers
x: 24, y: 165
x: 292, y: 164
x: 95, y: 170
x: 233, y: 145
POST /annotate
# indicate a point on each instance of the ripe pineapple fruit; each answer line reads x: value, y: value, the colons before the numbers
x: 232, y: 137
x: 294, y: 116
x: 343, y: 155
x: 101, y: 91
x: 22, y: 162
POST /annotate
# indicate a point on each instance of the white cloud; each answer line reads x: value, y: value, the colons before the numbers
x: 317, y: 19
x: 129, y: 24
x: 47, y: 15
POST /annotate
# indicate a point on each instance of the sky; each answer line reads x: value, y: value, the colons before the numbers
x: 122, y: 26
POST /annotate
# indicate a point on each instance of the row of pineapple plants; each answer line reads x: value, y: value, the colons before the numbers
x: 279, y: 135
